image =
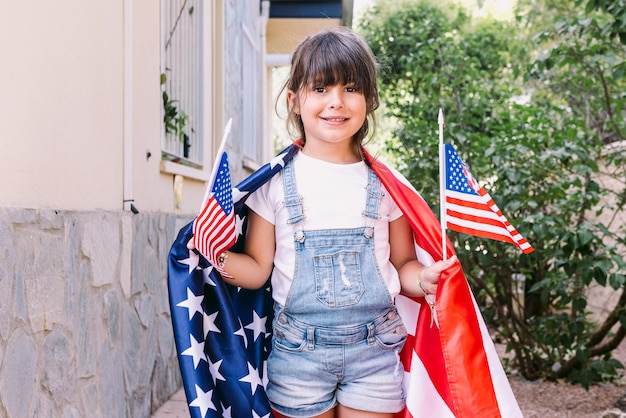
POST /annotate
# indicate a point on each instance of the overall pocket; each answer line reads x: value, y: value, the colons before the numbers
x: 287, y: 339
x: 338, y: 279
x: 392, y: 333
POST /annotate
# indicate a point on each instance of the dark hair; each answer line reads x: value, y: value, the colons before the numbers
x: 334, y: 56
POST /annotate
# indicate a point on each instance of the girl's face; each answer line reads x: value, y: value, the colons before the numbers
x: 329, y: 113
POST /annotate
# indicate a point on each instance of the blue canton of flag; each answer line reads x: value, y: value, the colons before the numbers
x: 222, y: 332
x: 222, y: 188
x: 458, y: 177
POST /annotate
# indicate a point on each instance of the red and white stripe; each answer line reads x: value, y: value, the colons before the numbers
x: 480, y: 216
x: 214, y: 231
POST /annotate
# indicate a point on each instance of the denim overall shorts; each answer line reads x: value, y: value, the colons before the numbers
x: 338, y: 337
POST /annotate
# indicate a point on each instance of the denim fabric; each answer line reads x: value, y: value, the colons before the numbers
x: 338, y: 337
x: 312, y: 368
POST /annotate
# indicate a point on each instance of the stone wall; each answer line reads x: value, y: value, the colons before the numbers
x: 85, y: 327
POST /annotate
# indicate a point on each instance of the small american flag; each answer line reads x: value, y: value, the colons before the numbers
x: 214, y: 229
x: 469, y: 208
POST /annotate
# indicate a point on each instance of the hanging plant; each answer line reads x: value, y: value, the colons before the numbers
x: 175, y: 121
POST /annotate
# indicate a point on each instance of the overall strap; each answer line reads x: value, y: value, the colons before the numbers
x: 374, y: 196
x: 293, y: 201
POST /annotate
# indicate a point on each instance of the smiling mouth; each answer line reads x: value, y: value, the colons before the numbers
x: 335, y: 119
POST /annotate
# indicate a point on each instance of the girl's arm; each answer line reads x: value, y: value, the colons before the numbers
x: 253, y: 267
x: 404, y: 259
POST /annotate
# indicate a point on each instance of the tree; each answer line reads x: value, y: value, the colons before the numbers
x: 616, y: 9
x: 534, y: 130
x: 581, y: 72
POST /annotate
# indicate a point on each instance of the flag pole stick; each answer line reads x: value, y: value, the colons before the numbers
x: 442, y: 186
x: 217, y: 162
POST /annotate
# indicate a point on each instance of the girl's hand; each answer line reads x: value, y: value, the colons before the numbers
x: 428, y: 277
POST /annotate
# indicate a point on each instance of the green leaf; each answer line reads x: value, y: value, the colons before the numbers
x: 584, y: 237
x: 579, y: 304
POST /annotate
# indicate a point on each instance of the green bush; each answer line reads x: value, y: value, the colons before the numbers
x: 532, y: 121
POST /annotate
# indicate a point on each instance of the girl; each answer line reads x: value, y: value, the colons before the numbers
x: 339, y: 249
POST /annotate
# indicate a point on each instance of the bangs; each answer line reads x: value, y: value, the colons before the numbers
x: 329, y: 69
x: 335, y: 60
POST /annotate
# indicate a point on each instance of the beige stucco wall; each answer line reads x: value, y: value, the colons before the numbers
x: 62, y: 106
x: 284, y: 34
x: 61, y: 118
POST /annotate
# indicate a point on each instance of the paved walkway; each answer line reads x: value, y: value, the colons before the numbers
x: 175, y: 407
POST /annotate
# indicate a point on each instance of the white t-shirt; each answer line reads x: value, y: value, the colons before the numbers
x: 334, y: 197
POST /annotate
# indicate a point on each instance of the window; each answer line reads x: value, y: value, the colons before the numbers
x: 182, y: 81
x: 252, y: 99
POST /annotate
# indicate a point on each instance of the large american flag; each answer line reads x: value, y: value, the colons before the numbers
x: 469, y: 208
x: 214, y: 228
x: 223, y: 333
